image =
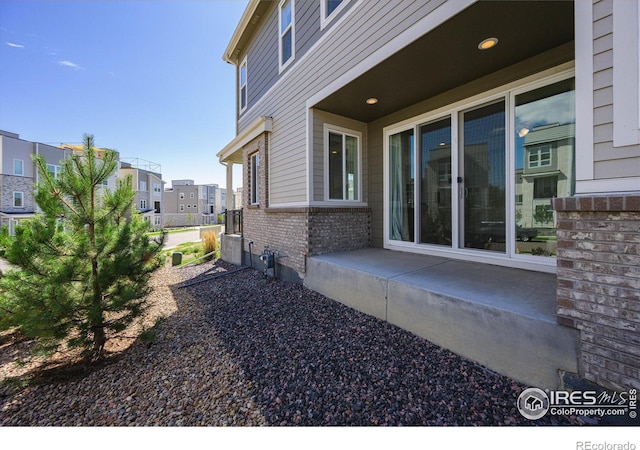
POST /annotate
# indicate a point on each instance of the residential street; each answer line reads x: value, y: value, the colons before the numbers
x: 174, y: 239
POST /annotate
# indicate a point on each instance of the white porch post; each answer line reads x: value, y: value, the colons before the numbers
x: 230, y: 197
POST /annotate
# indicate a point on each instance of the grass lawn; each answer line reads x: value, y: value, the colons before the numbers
x: 190, y: 252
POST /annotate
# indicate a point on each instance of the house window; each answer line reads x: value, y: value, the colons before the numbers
x: 18, y: 167
x: 192, y: 195
x: 343, y: 163
x: 540, y: 156
x: 143, y: 204
x: 157, y: 221
x: 255, y: 178
x: 157, y: 207
x: 286, y: 42
x: 242, y: 85
x: 54, y: 170
x: 18, y: 201
x: 546, y: 187
x: 181, y: 195
x: 330, y: 9
x: 157, y: 189
x: 143, y: 186
x: 181, y: 208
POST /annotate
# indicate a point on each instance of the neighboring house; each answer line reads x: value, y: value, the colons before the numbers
x: 237, y: 199
x: 149, y: 188
x: 414, y: 126
x: 99, y: 152
x: 189, y: 204
x: 18, y: 176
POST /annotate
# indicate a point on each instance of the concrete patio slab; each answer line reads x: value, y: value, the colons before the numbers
x: 501, y: 317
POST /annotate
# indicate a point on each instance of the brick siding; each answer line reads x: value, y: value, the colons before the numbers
x: 599, y: 284
x: 296, y: 233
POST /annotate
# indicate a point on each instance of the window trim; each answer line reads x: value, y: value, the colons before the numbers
x: 242, y: 108
x: 15, y: 160
x: 329, y: 128
x: 254, y: 178
x: 325, y: 19
x: 142, y: 186
x: 181, y: 208
x: 143, y: 203
x: 292, y: 27
x: 21, y: 195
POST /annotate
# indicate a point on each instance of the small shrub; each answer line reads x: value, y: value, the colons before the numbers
x: 209, y: 243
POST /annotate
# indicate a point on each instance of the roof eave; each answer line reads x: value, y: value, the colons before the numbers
x: 245, y: 20
x: 260, y: 125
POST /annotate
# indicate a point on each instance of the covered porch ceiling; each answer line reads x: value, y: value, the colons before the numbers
x: 448, y: 56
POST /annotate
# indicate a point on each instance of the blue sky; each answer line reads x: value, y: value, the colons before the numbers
x: 144, y: 77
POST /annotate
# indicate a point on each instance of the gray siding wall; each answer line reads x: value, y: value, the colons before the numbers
x: 609, y: 161
x: 262, y: 54
x: 346, y: 44
x: 12, y: 149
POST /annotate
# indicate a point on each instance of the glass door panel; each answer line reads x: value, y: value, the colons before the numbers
x: 483, y: 181
x: 401, y: 186
x: 544, y: 163
x: 435, y: 183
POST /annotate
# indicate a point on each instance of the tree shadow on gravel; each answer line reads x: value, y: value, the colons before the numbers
x: 62, y: 368
x: 315, y: 362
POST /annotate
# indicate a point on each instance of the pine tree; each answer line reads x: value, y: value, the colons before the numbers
x: 83, y: 265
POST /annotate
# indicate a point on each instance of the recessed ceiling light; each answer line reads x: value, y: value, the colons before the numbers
x: 488, y: 43
x: 371, y: 101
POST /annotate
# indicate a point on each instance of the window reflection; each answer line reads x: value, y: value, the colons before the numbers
x: 544, y: 163
x: 435, y: 184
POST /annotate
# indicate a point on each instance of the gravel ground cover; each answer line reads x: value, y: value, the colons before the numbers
x: 244, y: 349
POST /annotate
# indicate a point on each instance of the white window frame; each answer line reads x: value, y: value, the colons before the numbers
x: 21, y: 171
x: 54, y: 170
x: 192, y: 195
x: 244, y: 85
x: 16, y: 195
x: 282, y: 65
x: 327, y: 19
x: 157, y: 189
x: 181, y: 208
x: 143, y: 186
x: 181, y: 195
x: 143, y: 203
x: 537, y: 152
x: 507, y: 92
x: 254, y: 177
x: 328, y: 128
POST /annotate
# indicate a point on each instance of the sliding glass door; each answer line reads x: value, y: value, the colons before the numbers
x: 478, y: 179
x: 435, y: 183
x: 483, y: 178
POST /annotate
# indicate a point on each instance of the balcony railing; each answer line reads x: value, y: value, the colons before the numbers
x: 233, y: 221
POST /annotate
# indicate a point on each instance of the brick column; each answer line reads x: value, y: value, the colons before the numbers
x: 599, y: 284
